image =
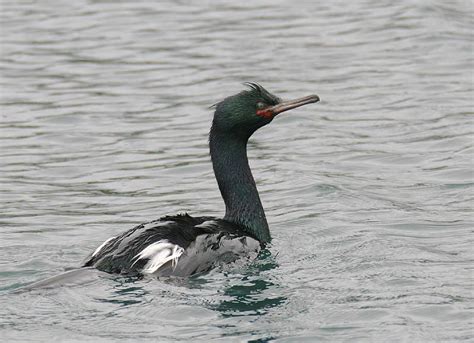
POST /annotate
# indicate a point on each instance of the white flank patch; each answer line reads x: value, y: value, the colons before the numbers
x: 158, y: 254
x: 207, y: 223
x: 101, y: 246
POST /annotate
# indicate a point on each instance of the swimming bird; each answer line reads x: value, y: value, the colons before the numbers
x: 182, y: 245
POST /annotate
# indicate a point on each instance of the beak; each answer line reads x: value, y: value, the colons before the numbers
x: 272, y: 111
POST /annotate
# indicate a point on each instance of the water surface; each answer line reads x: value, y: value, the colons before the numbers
x: 104, y: 122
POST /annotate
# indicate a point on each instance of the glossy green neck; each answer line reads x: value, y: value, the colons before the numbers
x: 236, y: 183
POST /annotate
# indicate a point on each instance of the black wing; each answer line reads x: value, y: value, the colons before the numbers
x: 119, y: 254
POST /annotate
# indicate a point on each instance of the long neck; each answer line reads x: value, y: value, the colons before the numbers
x: 236, y: 183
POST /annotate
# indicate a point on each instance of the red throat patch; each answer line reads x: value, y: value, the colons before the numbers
x: 265, y: 113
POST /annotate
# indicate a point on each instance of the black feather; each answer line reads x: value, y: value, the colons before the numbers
x: 117, y: 256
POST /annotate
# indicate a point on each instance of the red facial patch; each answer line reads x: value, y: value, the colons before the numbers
x: 265, y: 113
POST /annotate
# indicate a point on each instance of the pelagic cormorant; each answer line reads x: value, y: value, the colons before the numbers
x: 183, y: 245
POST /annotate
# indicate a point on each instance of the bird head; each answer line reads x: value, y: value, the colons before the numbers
x: 249, y: 110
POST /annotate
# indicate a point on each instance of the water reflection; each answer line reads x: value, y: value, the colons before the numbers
x: 253, y: 293
x: 249, y: 298
x: 127, y: 292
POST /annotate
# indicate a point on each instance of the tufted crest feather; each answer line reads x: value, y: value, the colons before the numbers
x: 262, y: 92
x: 269, y: 97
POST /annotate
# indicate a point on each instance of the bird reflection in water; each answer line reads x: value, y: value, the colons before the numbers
x: 254, y: 294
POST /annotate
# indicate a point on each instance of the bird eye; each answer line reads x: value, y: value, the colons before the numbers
x: 260, y: 105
